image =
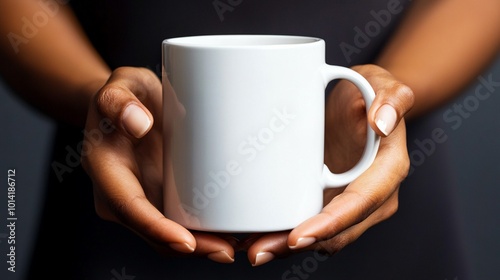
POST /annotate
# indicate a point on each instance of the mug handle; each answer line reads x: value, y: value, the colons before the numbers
x: 332, y: 180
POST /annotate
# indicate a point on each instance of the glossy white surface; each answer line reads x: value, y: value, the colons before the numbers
x: 248, y: 154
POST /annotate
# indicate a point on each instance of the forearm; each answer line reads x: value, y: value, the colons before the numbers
x: 441, y: 47
x: 49, y: 63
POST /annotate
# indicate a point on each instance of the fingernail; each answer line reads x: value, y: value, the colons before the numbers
x: 135, y: 121
x: 303, y: 242
x: 386, y: 119
x: 221, y: 257
x: 262, y: 258
x: 182, y: 247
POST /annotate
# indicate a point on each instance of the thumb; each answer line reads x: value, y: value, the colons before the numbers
x: 123, y: 100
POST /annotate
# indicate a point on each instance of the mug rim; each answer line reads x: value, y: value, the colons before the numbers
x: 238, y: 41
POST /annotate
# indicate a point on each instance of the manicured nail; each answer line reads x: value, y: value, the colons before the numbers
x: 262, y: 258
x: 135, y: 121
x: 221, y: 257
x: 386, y: 119
x: 303, y: 242
x: 182, y: 247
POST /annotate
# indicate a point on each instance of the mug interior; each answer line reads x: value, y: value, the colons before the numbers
x: 240, y: 40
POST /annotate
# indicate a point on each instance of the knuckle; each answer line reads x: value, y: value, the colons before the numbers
x: 386, y: 211
x: 148, y: 73
x: 369, y: 201
x: 373, y: 68
x: 405, y: 165
x: 328, y: 247
x: 392, y: 207
x: 339, y: 242
x: 367, y: 69
x: 122, y: 207
x: 402, y: 160
x: 106, y: 100
x: 405, y: 93
x: 122, y: 70
x: 110, y: 209
x: 389, y: 209
x: 150, y: 78
x: 365, y: 204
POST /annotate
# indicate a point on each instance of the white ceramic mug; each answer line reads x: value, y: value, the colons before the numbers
x: 248, y: 154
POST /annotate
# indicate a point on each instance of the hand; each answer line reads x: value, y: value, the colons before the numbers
x: 126, y: 167
x: 372, y: 197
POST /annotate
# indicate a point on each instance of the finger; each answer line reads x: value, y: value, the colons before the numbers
x: 216, y: 248
x: 273, y: 246
x: 360, y: 198
x: 389, y: 107
x: 121, y: 198
x: 351, y: 234
x: 392, y: 101
x: 123, y: 100
x: 268, y: 247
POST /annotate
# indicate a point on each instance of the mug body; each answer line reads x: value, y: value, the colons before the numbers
x: 247, y: 155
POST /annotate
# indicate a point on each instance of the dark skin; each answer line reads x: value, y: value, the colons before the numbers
x: 434, y: 54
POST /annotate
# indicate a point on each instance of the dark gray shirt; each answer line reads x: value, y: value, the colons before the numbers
x: 418, y: 242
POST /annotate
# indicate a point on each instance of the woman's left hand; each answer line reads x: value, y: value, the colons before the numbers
x: 373, y: 197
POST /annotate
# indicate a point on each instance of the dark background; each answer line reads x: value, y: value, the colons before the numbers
x: 472, y: 149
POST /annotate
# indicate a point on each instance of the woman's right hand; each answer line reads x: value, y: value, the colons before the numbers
x: 122, y: 154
